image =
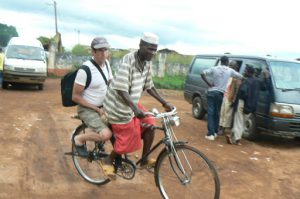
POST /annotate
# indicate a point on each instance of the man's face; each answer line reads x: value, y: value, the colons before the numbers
x: 100, y: 55
x: 148, y: 51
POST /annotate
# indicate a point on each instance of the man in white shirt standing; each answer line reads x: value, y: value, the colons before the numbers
x: 90, y: 99
x: 220, y: 75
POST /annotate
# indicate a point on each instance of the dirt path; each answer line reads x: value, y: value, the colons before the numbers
x: 35, y: 132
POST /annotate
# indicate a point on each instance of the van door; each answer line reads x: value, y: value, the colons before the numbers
x: 195, y: 87
x: 263, y: 103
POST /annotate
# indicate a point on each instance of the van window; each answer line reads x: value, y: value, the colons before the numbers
x: 202, y: 63
x: 25, y: 52
x: 286, y: 74
x: 258, y: 65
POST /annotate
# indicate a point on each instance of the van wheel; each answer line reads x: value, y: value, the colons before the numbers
x: 40, y: 86
x: 5, y: 85
x: 197, y: 109
x: 250, y: 132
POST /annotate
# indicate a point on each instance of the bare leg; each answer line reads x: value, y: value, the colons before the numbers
x: 148, y: 137
x: 104, y: 135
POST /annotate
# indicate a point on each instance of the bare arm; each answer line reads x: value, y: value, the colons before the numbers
x: 127, y: 99
x: 153, y: 92
x: 205, y: 80
x: 77, y: 97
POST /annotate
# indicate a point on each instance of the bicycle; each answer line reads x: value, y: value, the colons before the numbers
x: 181, y: 171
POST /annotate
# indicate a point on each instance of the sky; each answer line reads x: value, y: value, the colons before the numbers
x: 252, y: 27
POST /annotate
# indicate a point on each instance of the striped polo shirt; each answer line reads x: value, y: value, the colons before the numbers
x: 130, y: 79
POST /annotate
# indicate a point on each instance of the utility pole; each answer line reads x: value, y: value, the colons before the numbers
x: 78, y: 35
x: 55, y: 14
x: 54, y: 4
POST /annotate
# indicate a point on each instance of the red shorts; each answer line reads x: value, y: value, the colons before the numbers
x: 128, y: 136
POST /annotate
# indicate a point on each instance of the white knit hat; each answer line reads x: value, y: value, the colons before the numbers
x: 150, y: 38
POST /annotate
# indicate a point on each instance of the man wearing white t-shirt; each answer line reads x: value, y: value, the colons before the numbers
x: 90, y: 99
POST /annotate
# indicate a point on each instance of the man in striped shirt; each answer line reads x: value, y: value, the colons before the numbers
x: 124, y: 112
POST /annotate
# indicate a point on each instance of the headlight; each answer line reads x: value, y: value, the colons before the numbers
x: 281, y: 110
x: 174, y: 121
x: 8, y: 67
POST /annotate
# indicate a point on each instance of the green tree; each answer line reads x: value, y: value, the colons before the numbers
x: 45, y: 42
x: 7, y: 32
x: 81, y: 50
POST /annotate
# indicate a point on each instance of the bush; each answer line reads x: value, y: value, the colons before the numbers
x: 169, y: 82
x: 81, y: 50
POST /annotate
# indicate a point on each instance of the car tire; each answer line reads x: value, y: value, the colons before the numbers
x: 40, y: 87
x: 5, y: 85
x: 250, y: 132
x: 197, y: 108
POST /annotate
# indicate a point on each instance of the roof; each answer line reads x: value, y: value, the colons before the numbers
x: 25, y: 41
x: 267, y: 58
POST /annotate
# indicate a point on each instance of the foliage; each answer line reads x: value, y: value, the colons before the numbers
x: 118, y: 54
x: 173, y: 58
x: 170, y: 82
x: 81, y: 50
x: 7, y: 32
x: 45, y: 42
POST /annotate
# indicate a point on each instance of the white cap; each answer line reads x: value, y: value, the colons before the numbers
x: 150, y: 38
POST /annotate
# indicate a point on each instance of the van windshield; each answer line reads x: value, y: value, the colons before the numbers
x: 25, y: 52
x: 286, y: 75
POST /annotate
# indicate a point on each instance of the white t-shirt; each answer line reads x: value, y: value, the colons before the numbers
x: 96, y: 91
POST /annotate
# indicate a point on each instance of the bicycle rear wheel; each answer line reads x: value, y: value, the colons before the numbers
x: 190, y: 175
x: 89, y: 167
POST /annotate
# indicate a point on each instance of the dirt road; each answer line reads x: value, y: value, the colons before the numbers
x: 35, y: 132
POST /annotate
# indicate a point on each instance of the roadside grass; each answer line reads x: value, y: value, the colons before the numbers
x: 169, y: 82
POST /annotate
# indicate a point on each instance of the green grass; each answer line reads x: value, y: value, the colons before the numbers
x: 169, y: 82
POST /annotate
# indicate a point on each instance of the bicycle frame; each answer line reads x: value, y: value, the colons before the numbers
x: 169, y: 143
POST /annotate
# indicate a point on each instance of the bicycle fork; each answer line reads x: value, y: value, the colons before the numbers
x: 181, y: 172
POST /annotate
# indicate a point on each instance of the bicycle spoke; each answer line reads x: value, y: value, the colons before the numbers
x: 186, y: 175
x: 90, y: 167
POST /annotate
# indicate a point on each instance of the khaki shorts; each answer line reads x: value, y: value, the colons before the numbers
x: 91, y: 118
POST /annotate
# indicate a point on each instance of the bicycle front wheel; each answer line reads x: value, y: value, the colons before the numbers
x: 186, y: 173
x: 89, y: 167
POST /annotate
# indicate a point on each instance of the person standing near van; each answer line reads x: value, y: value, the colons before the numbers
x: 226, y: 114
x: 90, y: 100
x: 245, y: 104
x: 220, y: 75
x: 1, y: 66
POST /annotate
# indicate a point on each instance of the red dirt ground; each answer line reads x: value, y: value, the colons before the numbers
x: 35, y: 133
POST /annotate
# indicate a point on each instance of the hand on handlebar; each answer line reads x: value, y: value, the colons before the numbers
x: 139, y: 113
x: 168, y: 106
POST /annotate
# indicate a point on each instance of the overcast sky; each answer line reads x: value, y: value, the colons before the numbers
x: 257, y: 27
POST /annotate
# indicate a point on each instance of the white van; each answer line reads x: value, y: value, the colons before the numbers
x: 24, y: 62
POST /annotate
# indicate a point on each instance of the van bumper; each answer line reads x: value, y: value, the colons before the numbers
x: 283, y: 127
x: 29, y: 78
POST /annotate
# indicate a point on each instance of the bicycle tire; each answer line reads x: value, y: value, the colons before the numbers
x: 88, y: 167
x: 202, y: 178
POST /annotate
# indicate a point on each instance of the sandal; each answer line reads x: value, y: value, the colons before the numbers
x: 148, y: 164
x: 109, y: 171
x: 238, y: 142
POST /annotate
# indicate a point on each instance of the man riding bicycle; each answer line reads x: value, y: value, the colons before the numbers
x: 121, y: 103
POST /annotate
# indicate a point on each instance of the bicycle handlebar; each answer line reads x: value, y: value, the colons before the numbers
x: 157, y: 115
